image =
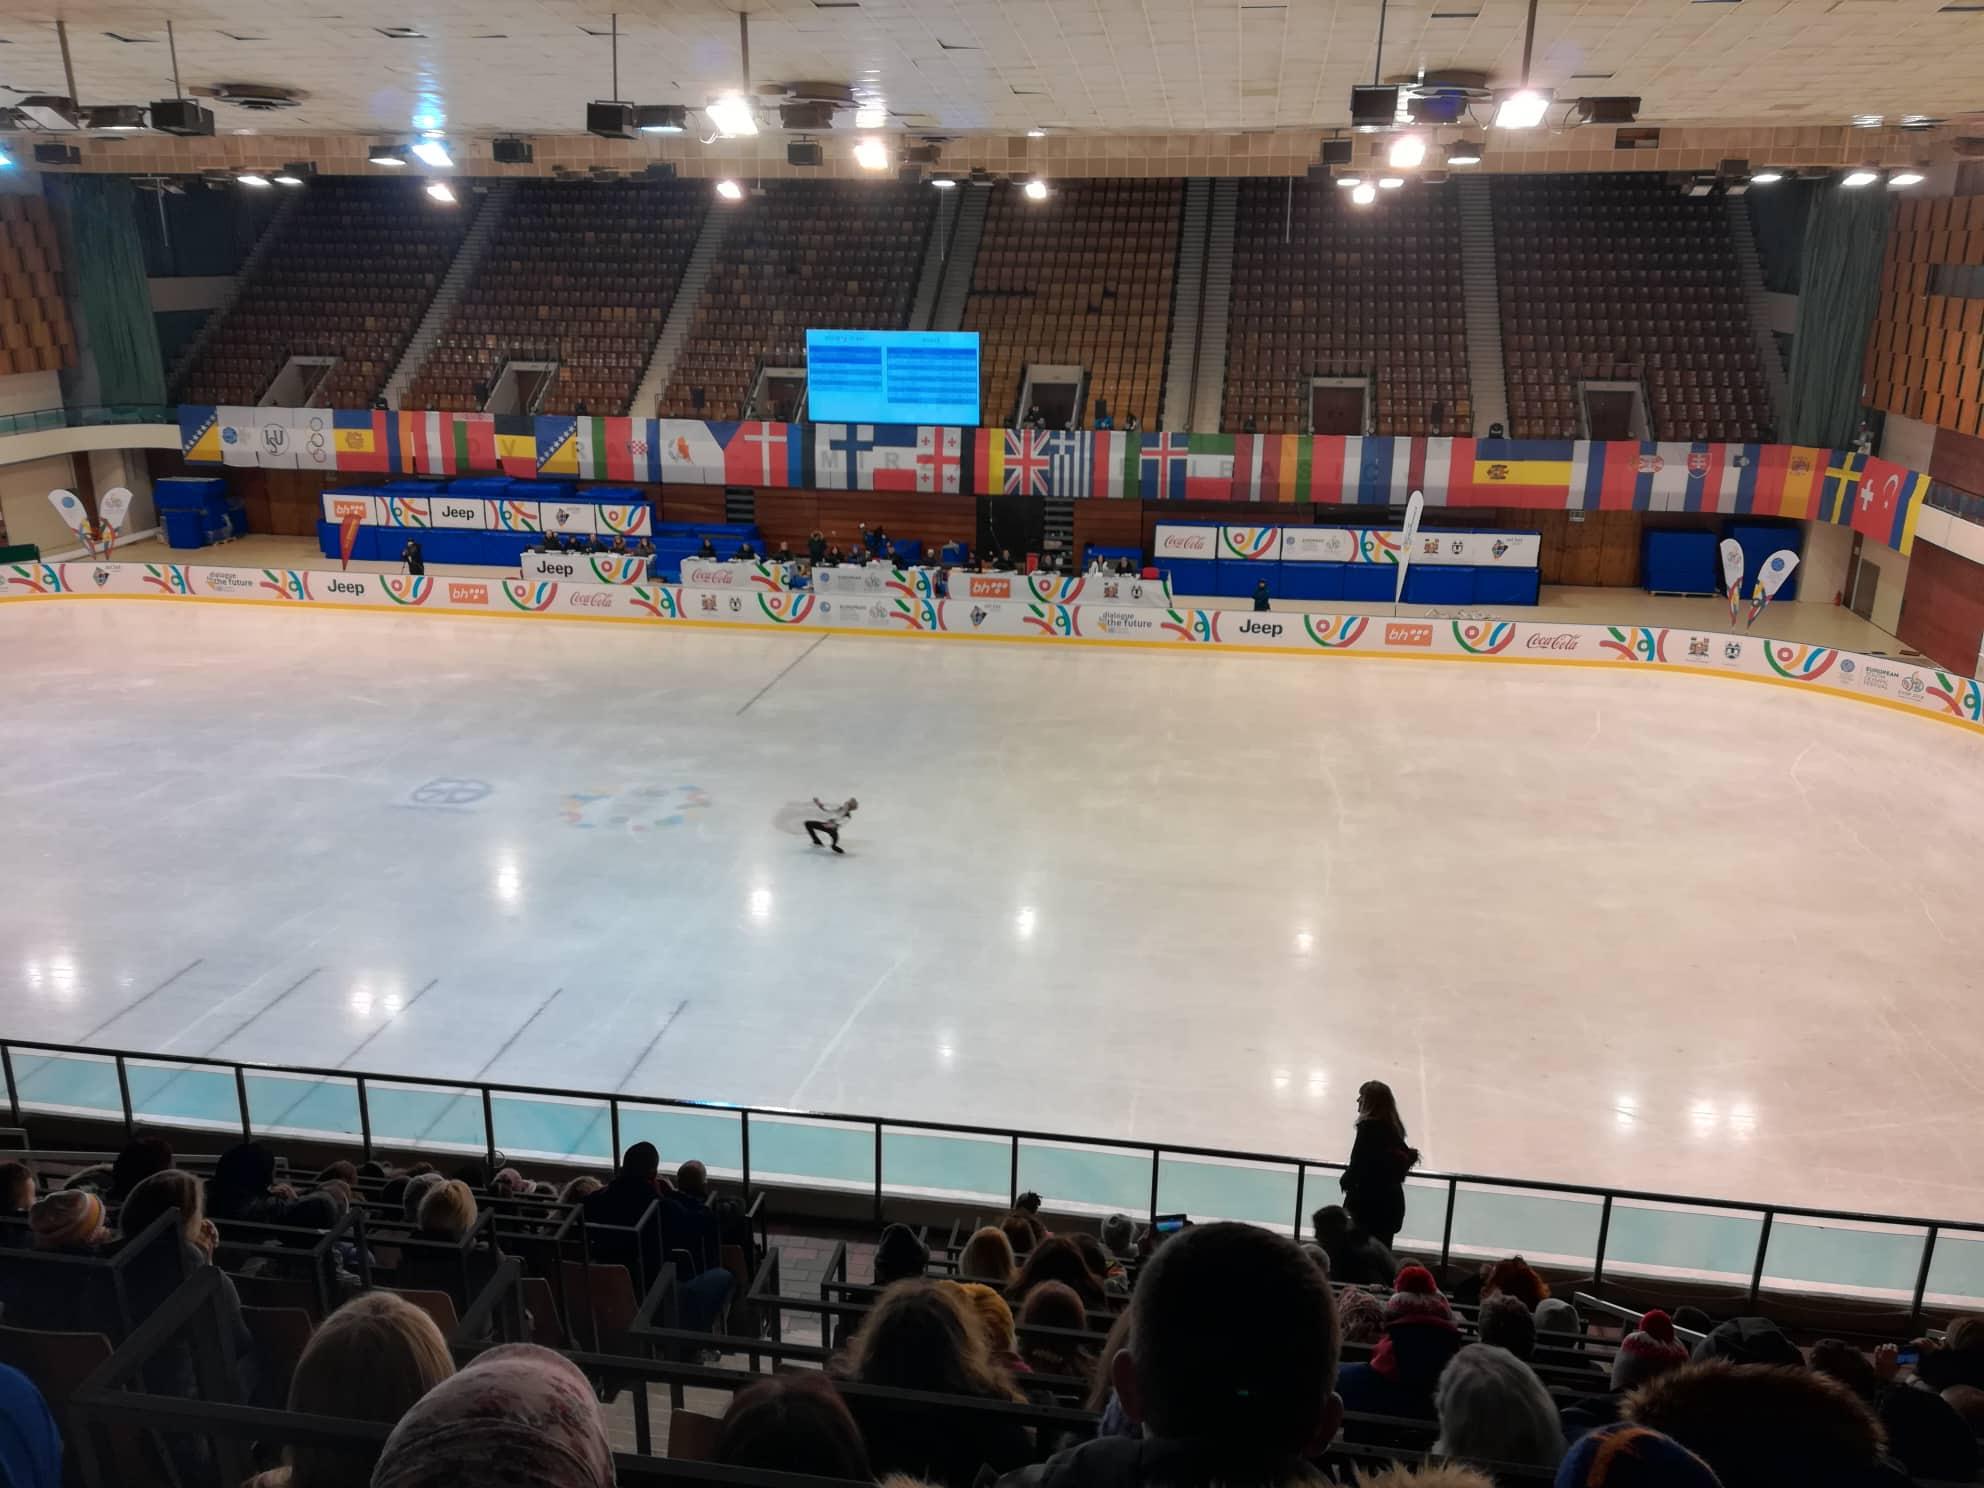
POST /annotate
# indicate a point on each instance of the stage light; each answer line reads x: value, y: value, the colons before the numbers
x: 1867, y: 121
x: 1524, y: 110
x: 661, y: 118
x: 1766, y: 178
x: 434, y: 153
x: 6, y: 161
x: 115, y: 118
x: 730, y: 191
x: 441, y: 191
x: 1465, y: 152
x: 387, y: 155
x: 1036, y: 134
x: 1390, y: 183
x: 286, y: 179
x: 1407, y: 151
x: 1861, y: 178
x: 871, y: 116
x: 872, y: 154
x: 1350, y: 180
x: 1036, y: 191
x: 732, y: 116
x: 1364, y: 195
x: 249, y: 178
x: 1905, y: 178
x: 942, y: 183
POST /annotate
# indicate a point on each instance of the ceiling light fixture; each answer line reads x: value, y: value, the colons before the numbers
x: 1407, y: 152
x: 1365, y: 194
x: 731, y: 116
x: 433, y: 152
x: 661, y: 118
x: 1522, y: 110
x: 1466, y: 152
x: 179, y: 114
x: 1348, y: 181
x: 1036, y: 190
x: 1905, y: 177
x: 1390, y: 183
x: 871, y: 116
x: 250, y: 178
x: 1861, y: 178
x: 114, y: 118
x: 387, y: 155
x: 441, y: 191
x: 287, y: 179
x: 6, y: 161
x: 943, y: 183
x: 872, y: 154
x: 1766, y: 178
x: 1036, y: 134
x: 1867, y: 121
x: 730, y: 191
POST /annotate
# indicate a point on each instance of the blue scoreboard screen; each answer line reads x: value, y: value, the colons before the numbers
x: 892, y: 377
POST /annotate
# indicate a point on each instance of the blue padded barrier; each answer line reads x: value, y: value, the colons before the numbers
x: 1680, y: 563
x: 1759, y: 541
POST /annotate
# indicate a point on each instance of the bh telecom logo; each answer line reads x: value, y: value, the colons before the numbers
x: 1377, y: 547
x: 1959, y: 695
x: 167, y: 578
x: 533, y: 598
x: 1335, y: 632
x: 918, y: 614
x: 286, y: 583
x: 405, y: 589
x: 1248, y: 542
x: 1797, y: 663
x: 1483, y: 637
x: 35, y: 578
x: 1053, y: 619
x: 1192, y: 625
x: 661, y: 603
x: 786, y: 608
x: 1635, y: 643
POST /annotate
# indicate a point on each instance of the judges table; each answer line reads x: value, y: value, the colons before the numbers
x: 585, y: 568
x: 1045, y: 588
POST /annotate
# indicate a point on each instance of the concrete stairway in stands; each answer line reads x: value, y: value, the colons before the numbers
x: 1487, y: 373
x: 936, y: 254
x: 682, y: 313
x: 1750, y: 269
x: 495, y: 206
x: 1187, y: 301
x: 191, y: 352
x: 949, y: 314
x: 1057, y: 526
x: 1209, y: 385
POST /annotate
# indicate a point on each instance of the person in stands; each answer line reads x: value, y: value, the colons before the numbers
x: 244, y: 1187
x: 1493, y: 1409
x: 1649, y: 1351
x: 1515, y: 1277
x: 1420, y: 1337
x: 624, y: 1203
x: 198, y: 1239
x: 1229, y: 1370
x: 1625, y: 1456
x: 899, y: 1255
x: 1360, y: 1315
x: 995, y: 1325
x: 920, y: 1335
x: 1354, y: 1256
x: 793, y: 1423
x: 515, y: 1415
x: 707, y: 551
x: 1053, y: 1305
x: 17, y: 1194
x: 1374, y: 1182
x: 30, y: 1441
x: 1766, y: 1425
x: 1132, y: 424
x: 987, y: 1256
x: 816, y: 549
x: 1506, y: 1324
x: 69, y: 1221
x: 745, y: 553
x: 1057, y: 1258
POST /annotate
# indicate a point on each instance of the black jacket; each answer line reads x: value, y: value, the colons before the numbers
x: 1374, y: 1183
x: 1133, y: 1462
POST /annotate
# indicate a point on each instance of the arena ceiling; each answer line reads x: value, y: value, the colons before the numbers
x: 1005, y: 66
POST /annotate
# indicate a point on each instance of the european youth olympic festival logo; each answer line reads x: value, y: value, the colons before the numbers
x: 1335, y: 632
x: 528, y: 596
x: 168, y: 578
x: 1248, y: 542
x: 1192, y: 625
x: 1053, y: 619
x: 1635, y: 643
x: 635, y: 811
x: 910, y: 584
x: 624, y: 520
x: 287, y: 583
x: 1960, y: 695
x: 401, y: 512
x: 1797, y: 663
x: 406, y: 589
x: 919, y: 614
x: 1484, y: 637
x: 1053, y: 589
x: 1374, y: 546
x: 517, y: 516
x: 658, y: 601
x: 785, y: 607
x: 35, y: 578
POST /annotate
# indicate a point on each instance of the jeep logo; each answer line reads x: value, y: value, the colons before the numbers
x: 347, y: 586
x: 566, y: 569
x: 1260, y: 627
x: 462, y: 513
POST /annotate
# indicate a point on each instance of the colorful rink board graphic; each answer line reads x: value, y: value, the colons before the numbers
x: 1875, y: 497
x: 1919, y: 689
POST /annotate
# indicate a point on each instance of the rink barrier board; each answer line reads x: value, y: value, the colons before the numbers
x: 1920, y: 691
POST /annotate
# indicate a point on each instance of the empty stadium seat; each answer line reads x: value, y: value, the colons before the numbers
x: 35, y: 335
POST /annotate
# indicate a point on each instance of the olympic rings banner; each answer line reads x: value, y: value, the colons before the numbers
x: 1819, y: 668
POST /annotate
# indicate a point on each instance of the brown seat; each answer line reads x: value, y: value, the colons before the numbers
x: 692, y: 1436
x: 58, y: 1363
x: 437, y: 1305
x: 281, y: 1334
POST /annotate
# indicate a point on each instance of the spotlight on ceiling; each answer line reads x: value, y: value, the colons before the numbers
x: 387, y: 155
x: 1861, y: 177
x: 661, y: 118
x: 1036, y: 190
x: 295, y: 173
x: 441, y: 191
x: 1701, y: 185
x: 1364, y: 195
x: 1036, y: 134
x: 943, y: 183
x: 871, y: 116
x: 730, y: 191
x: 1867, y: 121
x: 117, y: 118
x: 1349, y: 181
x: 1906, y: 176
x: 252, y: 178
x: 872, y: 154
x: 181, y: 116
x: 1390, y: 183
x: 1766, y: 177
x: 1464, y: 152
x: 731, y: 116
x: 1407, y: 152
x: 433, y: 152
x: 1522, y: 110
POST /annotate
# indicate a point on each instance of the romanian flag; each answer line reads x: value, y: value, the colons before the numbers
x: 516, y: 445
x: 199, y: 433
x: 361, y: 440
x: 1524, y: 472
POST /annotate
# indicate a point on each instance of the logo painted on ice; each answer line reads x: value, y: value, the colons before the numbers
x: 526, y: 595
x: 1635, y: 643
x: 1960, y: 695
x: 637, y: 810
x: 1799, y: 663
x: 1483, y: 637
x: 1248, y: 542
x: 35, y: 578
x: 286, y: 583
x: 1377, y: 547
x: 1192, y: 625
x: 1335, y: 632
x: 918, y: 614
x: 786, y: 608
x: 406, y: 589
x: 663, y: 604
x: 1053, y: 619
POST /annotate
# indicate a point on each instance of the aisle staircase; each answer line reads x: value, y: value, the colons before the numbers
x: 1057, y: 526
x: 454, y: 284
x: 682, y: 313
x: 949, y: 314
x: 1209, y: 383
x: 190, y: 353
x: 1187, y: 301
x: 1750, y: 268
x: 936, y: 253
x: 1487, y: 373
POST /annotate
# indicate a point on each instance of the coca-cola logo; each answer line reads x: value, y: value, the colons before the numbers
x: 1561, y: 641
x: 587, y: 599
x: 1186, y: 542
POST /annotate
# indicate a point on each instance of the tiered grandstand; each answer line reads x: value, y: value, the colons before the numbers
x: 795, y: 255
x: 1324, y: 289
x: 1082, y: 279
x: 352, y: 273
x: 34, y: 319
x: 579, y: 275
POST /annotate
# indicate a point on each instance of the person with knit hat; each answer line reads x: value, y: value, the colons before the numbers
x: 1628, y: 1456
x: 1506, y: 1323
x: 1420, y: 1337
x: 70, y: 1219
x: 1748, y: 1340
x: 1361, y: 1315
x: 1767, y: 1425
x: 899, y: 1255
x: 1493, y: 1409
x: 518, y: 1416
x: 1648, y: 1352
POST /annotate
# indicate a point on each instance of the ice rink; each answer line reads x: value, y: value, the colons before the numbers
x: 1611, y: 927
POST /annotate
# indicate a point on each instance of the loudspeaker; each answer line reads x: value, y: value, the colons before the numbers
x: 1339, y: 151
x: 610, y: 120
x: 804, y: 152
x: 1609, y: 110
x: 512, y: 151
x: 1373, y: 108
x: 181, y: 116
x: 57, y: 155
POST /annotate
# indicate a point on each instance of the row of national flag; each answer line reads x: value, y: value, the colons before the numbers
x: 1875, y: 497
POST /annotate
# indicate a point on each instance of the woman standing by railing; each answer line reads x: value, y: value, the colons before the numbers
x: 1374, y: 1183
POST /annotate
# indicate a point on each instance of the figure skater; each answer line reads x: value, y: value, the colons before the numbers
x: 830, y: 822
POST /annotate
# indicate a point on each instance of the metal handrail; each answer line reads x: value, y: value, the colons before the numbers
x: 1767, y: 1213
x: 87, y: 415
